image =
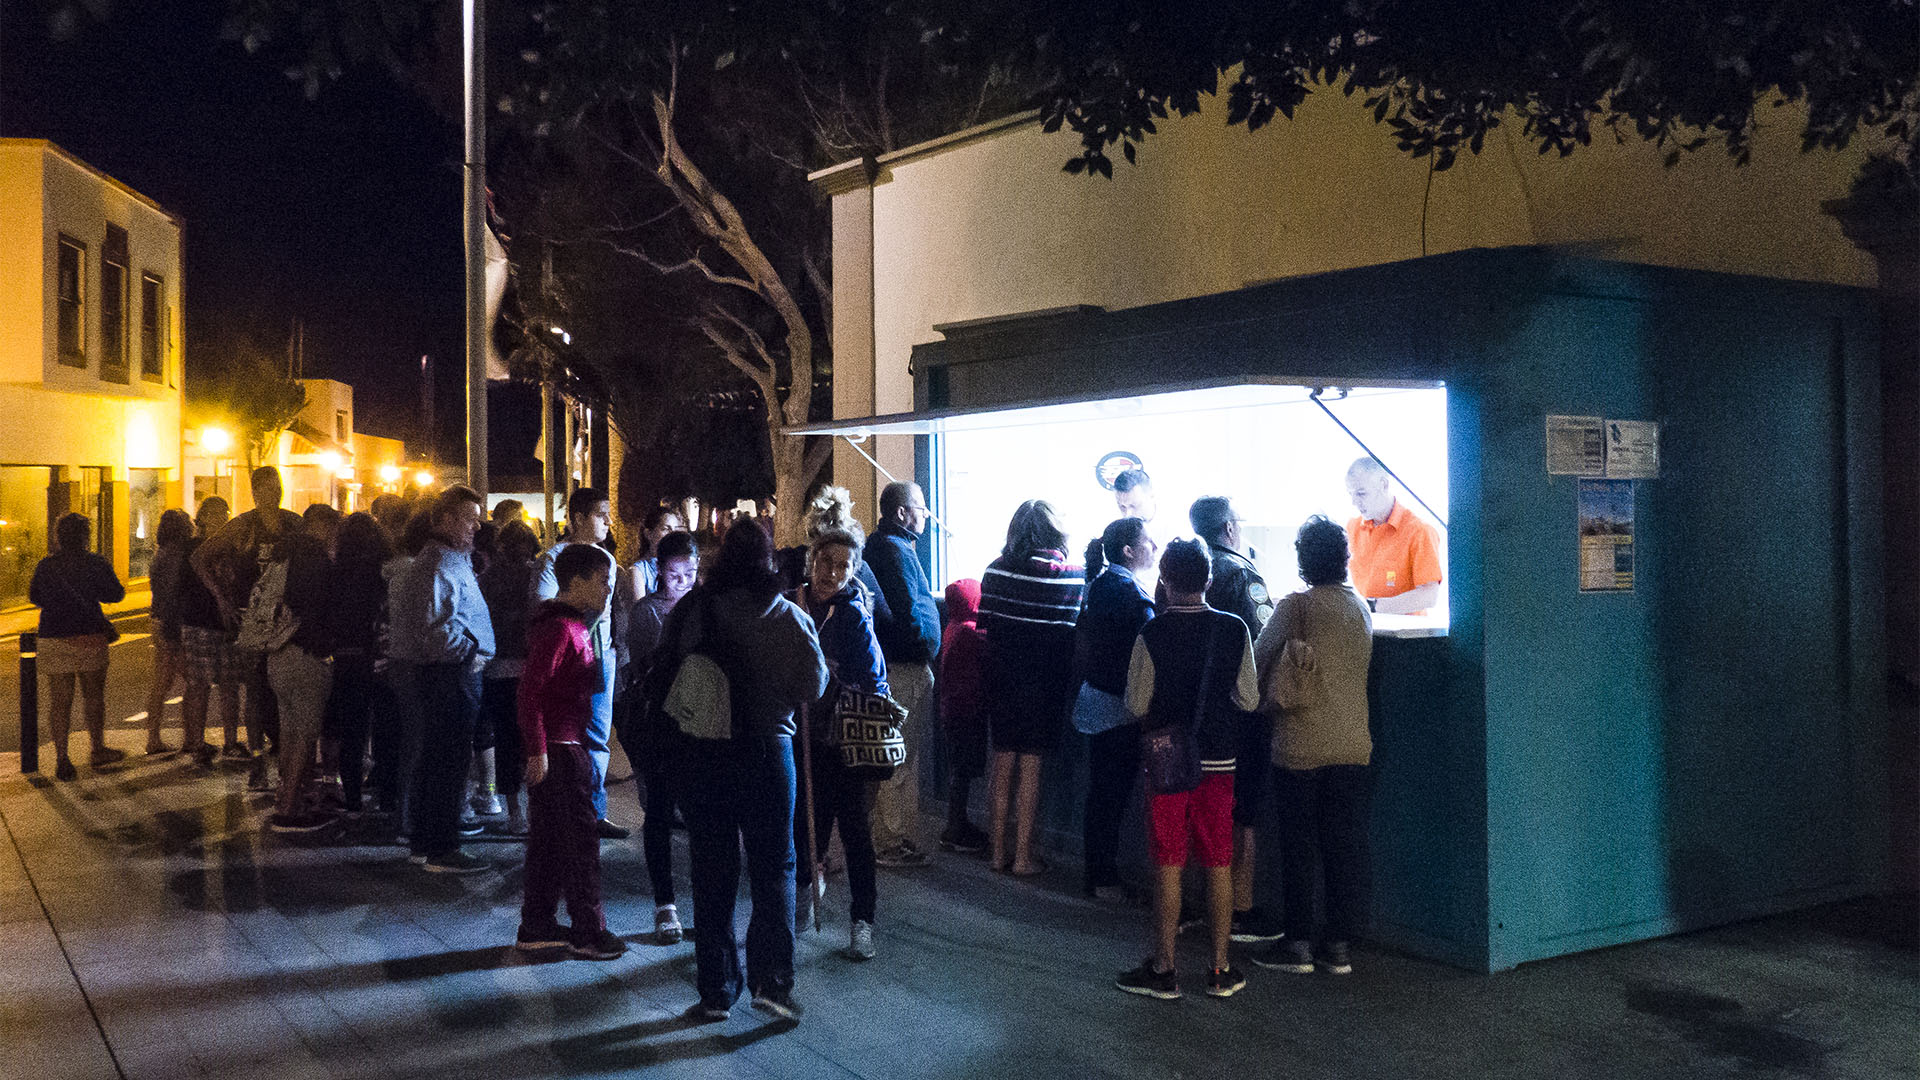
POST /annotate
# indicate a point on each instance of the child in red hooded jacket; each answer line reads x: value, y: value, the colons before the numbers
x: 963, y: 651
x: 555, y: 705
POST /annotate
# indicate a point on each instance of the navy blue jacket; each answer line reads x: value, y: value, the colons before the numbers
x: 1111, y: 618
x: 906, y: 622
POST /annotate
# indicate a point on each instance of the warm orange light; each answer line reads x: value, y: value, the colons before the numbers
x: 390, y: 474
x: 423, y: 478
x: 215, y: 440
x: 331, y: 461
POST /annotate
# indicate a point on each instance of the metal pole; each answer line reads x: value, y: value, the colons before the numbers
x: 476, y: 208
x: 29, y: 702
x: 546, y: 459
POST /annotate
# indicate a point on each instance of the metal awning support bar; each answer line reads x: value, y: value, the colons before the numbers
x: 1315, y: 398
x: 855, y: 441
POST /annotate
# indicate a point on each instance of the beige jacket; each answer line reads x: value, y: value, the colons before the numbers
x: 1334, y: 620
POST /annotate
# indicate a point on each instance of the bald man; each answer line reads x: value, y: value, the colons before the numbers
x: 1395, y: 562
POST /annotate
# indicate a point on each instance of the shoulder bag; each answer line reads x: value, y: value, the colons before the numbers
x: 1297, y: 681
x: 1170, y: 756
x: 700, y: 698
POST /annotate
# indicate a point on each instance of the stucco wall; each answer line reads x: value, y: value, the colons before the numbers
x: 21, y: 280
x: 992, y: 226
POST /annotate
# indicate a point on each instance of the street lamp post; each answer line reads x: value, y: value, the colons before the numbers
x: 475, y: 20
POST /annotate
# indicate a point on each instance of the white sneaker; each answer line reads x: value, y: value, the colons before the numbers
x: 860, y: 941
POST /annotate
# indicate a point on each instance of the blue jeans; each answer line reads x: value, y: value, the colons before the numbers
x: 734, y: 793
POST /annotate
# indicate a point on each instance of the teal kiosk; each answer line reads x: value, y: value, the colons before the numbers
x: 1558, y: 769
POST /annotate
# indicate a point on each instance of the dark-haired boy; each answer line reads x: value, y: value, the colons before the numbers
x: 1187, y: 647
x: 556, y: 707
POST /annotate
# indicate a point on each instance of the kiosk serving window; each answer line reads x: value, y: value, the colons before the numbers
x: 1274, y: 448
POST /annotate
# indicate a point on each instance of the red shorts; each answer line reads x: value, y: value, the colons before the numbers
x: 1204, y: 814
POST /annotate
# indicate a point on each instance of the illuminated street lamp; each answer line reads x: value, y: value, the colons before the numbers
x: 390, y: 474
x: 423, y: 478
x: 215, y: 440
x: 331, y: 461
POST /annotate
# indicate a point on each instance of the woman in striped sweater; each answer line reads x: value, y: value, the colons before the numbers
x: 1029, y: 602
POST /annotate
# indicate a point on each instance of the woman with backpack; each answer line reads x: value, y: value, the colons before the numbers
x: 738, y: 779
x: 836, y: 603
x: 68, y: 587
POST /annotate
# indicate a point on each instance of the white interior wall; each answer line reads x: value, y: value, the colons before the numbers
x: 1280, y: 463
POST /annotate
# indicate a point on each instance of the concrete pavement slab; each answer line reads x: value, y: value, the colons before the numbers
x: 211, y: 948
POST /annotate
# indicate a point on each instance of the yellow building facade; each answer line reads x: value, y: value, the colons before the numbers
x: 91, y: 362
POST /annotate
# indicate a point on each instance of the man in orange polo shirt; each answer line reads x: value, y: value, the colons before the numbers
x: 1395, y: 560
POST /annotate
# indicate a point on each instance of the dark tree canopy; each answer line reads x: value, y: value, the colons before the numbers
x: 1680, y: 73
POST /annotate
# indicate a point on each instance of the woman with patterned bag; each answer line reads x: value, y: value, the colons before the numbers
x: 835, y: 794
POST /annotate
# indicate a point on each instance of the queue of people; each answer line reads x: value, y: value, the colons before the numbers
x: 489, y: 681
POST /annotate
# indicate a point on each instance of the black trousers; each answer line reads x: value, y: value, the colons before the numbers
x: 449, y: 704
x: 500, y: 718
x: 1323, y: 818
x: 351, y: 719
x: 839, y: 798
x: 1113, y: 770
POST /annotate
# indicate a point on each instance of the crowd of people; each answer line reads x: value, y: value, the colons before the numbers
x: 424, y: 670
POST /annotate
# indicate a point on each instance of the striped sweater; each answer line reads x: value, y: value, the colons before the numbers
x: 1028, y: 607
x: 1037, y: 593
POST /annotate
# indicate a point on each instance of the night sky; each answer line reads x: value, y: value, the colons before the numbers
x: 343, y: 211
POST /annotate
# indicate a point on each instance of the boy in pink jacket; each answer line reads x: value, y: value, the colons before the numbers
x: 556, y: 705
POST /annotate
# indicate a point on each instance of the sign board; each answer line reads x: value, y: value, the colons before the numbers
x: 1633, y: 450
x: 1576, y: 446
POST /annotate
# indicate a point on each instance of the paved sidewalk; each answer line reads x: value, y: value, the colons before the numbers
x: 147, y: 897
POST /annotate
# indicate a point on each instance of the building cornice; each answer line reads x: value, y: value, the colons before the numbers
x: 863, y: 172
x: 51, y: 147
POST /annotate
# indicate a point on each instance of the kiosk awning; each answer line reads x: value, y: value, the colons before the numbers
x: 1133, y: 402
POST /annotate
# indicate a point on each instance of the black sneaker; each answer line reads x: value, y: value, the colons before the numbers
x: 1254, y: 925
x: 968, y: 839
x: 1292, y: 956
x: 610, y: 831
x: 536, y: 938
x: 1335, y: 958
x: 455, y: 862
x: 706, y: 1012
x: 1225, y: 982
x: 778, y: 1004
x: 303, y: 822
x: 65, y: 770
x: 1145, y: 981
x: 602, y: 946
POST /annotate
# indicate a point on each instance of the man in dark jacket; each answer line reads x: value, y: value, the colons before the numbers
x: 1238, y: 589
x: 908, y: 626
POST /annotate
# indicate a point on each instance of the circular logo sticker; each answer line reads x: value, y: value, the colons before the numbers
x: 1112, y: 465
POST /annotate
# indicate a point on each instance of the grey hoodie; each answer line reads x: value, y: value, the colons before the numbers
x: 782, y: 666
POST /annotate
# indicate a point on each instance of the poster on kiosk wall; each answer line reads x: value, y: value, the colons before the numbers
x: 1606, y: 535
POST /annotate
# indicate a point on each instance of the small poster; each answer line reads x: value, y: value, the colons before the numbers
x: 1576, y: 446
x: 1606, y: 535
x: 1633, y: 450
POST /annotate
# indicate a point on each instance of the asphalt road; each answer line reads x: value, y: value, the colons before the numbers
x: 129, y: 670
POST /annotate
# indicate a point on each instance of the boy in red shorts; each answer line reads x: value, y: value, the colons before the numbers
x: 1188, y: 649
x: 555, y: 706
